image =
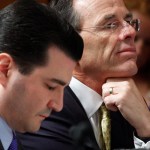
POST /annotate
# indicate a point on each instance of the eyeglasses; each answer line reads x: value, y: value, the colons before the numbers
x: 135, y: 23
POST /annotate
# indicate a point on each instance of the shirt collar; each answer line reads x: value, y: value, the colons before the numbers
x: 6, y: 135
x: 90, y: 100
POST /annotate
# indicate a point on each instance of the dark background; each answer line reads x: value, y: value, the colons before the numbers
x: 4, y: 3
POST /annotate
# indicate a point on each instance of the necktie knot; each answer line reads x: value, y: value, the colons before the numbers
x: 104, y: 112
x: 13, y: 145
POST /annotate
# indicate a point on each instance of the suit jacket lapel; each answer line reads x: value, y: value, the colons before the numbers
x: 20, y: 147
x: 74, y: 101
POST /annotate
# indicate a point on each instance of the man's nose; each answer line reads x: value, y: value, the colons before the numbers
x: 56, y: 103
x: 127, y: 32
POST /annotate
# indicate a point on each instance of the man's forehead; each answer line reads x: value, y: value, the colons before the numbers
x: 87, y: 7
x: 89, y: 3
x: 100, y: 10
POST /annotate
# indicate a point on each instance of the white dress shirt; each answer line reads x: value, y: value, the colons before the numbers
x: 6, y: 135
x: 91, y: 101
x: 140, y: 144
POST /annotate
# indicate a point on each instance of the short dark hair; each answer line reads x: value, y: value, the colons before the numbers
x: 28, y: 29
x: 65, y: 8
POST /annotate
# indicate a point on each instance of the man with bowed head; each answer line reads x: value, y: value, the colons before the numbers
x: 104, y: 74
x: 39, y: 51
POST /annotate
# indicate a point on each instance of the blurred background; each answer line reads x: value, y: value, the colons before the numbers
x: 141, y: 9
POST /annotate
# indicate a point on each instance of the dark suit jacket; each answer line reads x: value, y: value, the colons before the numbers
x: 20, y: 147
x: 1, y: 146
x: 54, y: 131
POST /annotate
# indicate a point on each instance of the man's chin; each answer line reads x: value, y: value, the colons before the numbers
x: 31, y: 129
x: 129, y: 72
x: 35, y: 129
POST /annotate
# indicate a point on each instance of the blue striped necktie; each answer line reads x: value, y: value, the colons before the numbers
x: 13, y: 145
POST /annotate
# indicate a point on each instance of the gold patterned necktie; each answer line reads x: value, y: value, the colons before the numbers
x: 105, y: 128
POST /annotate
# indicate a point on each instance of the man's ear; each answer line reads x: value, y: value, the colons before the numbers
x: 5, y: 65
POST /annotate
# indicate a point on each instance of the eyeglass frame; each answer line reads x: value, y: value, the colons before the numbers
x: 135, y: 21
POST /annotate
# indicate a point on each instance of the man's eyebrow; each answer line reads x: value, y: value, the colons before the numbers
x: 128, y: 16
x: 109, y: 16
x: 58, y: 81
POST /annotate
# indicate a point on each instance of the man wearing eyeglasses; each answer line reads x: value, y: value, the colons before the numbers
x: 103, y: 75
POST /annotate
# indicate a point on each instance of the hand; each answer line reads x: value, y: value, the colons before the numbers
x: 126, y: 98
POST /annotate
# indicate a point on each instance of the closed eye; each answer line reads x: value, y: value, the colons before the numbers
x: 51, y: 88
